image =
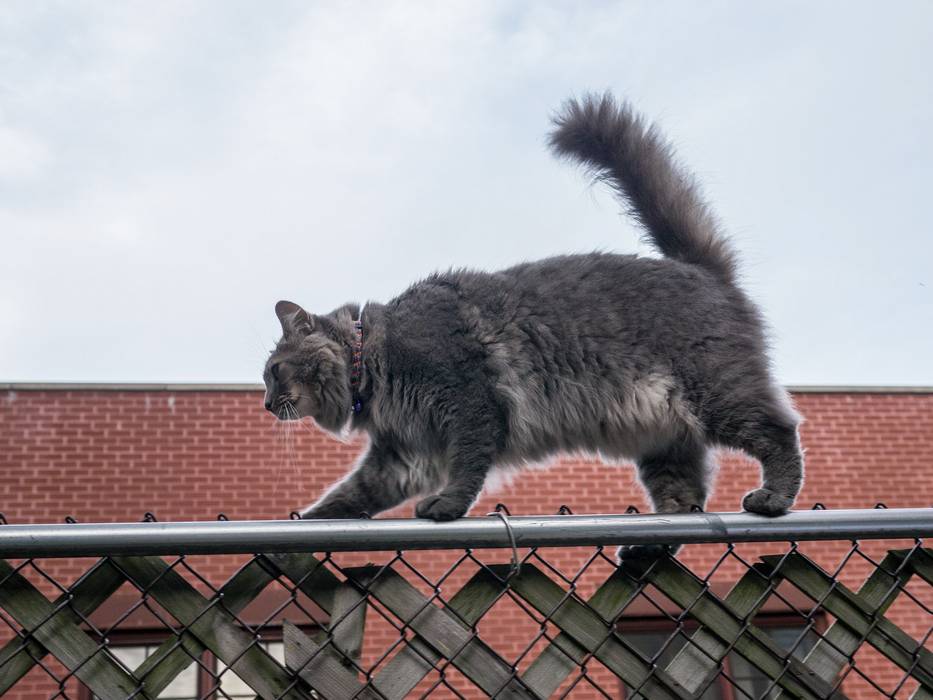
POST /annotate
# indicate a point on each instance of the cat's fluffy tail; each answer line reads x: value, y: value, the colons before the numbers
x: 615, y: 143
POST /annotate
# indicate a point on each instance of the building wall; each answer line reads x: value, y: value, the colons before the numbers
x: 110, y: 455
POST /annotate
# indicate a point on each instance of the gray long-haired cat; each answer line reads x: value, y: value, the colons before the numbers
x: 652, y: 360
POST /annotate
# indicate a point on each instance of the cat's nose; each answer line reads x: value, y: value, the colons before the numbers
x: 268, y: 404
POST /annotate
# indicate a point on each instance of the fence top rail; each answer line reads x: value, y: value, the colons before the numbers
x: 268, y: 536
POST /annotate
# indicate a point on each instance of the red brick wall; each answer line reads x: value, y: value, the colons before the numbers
x: 110, y: 456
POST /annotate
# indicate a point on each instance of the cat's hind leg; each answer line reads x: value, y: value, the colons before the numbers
x: 766, y: 430
x: 677, y: 481
x: 777, y: 447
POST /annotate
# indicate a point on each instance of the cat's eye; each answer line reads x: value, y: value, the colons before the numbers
x: 274, y: 371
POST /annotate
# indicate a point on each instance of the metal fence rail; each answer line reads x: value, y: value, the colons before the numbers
x: 817, y: 604
x: 241, y: 537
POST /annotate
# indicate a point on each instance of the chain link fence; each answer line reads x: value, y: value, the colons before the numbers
x: 821, y: 604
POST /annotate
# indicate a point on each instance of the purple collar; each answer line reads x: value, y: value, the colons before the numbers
x: 356, y: 367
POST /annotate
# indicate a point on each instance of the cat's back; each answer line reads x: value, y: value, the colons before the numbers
x: 576, y: 287
x: 565, y: 300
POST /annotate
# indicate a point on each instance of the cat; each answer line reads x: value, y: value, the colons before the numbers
x: 654, y: 360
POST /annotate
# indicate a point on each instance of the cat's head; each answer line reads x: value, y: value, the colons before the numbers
x: 307, y: 374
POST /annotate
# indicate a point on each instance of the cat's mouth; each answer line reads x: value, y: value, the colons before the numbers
x: 291, y: 408
x: 285, y: 409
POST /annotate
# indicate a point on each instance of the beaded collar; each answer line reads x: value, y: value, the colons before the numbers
x: 356, y: 368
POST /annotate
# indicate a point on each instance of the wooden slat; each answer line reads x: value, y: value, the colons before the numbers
x: 921, y: 561
x: 348, y: 621
x: 856, y: 614
x: 56, y: 630
x: 752, y: 644
x: 175, y: 654
x: 310, y: 576
x: 322, y: 667
x: 417, y: 658
x: 564, y: 656
x: 700, y: 657
x: 17, y: 657
x: 215, y: 627
x: 441, y: 630
x: 591, y: 632
x: 316, y: 581
x: 834, y: 647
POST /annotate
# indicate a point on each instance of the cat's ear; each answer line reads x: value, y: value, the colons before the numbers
x: 294, y: 319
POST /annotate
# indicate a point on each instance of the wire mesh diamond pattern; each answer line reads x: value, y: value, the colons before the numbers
x: 553, y: 623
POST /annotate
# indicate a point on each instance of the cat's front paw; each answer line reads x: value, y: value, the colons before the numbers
x: 441, y: 508
x: 767, y: 502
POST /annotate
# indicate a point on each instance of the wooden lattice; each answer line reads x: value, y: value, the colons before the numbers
x: 435, y: 632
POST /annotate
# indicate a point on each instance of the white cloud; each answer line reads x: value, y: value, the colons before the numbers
x: 22, y: 155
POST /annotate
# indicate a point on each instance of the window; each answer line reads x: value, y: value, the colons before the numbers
x: 748, y: 682
x: 185, y: 685
x: 213, y: 679
x: 753, y: 681
x: 231, y: 684
x: 649, y: 643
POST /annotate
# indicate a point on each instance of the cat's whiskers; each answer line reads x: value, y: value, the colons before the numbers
x: 279, y: 429
x: 285, y: 445
x: 291, y: 411
x: 288, y: 403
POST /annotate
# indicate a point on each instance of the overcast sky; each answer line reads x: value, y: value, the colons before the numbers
x: 168, y: 171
